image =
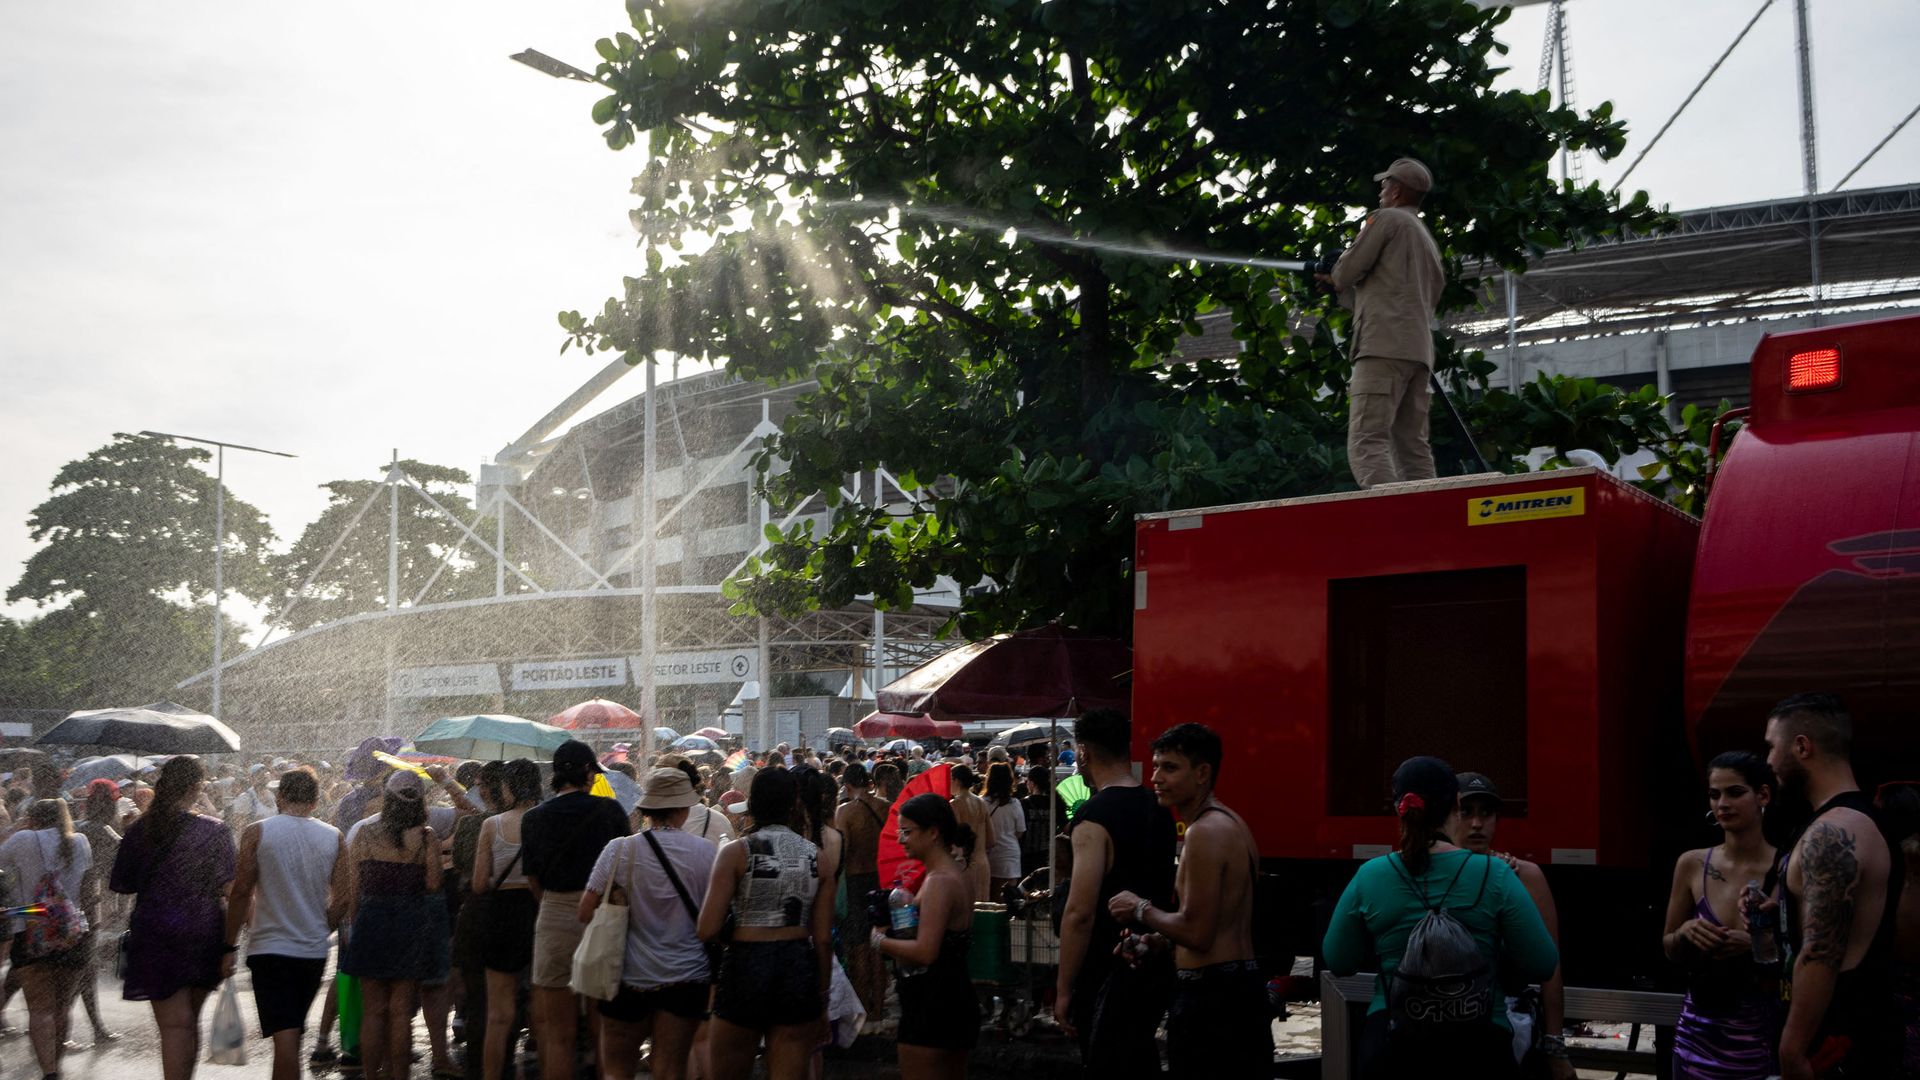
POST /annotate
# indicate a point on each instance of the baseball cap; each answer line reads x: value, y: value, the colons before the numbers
x: 1408, y: 172
x: 667, y: 789
x: 406, y: 780
x: 1475, y: 785
x: 1430, y: 779
x: 575, y: 754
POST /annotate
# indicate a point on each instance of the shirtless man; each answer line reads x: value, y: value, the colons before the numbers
x: 1220, y: 1023
x: 1841, y: 902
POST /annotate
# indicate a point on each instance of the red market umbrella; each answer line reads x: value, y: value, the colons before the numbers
x: 893, y: 861
x: 890, y: 726
x: 1049, y: 671
x: 597, y: 713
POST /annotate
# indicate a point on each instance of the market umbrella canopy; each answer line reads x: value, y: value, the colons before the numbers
x: 879, y: 725
x: 488, y: 736
x: 159, y: 728
x: 597, y: 713
x: 1046, y: 671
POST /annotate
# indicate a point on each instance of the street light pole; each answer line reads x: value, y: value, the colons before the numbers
x: 219, y: 539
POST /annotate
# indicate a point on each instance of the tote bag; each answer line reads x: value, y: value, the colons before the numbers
x: 600, y: 958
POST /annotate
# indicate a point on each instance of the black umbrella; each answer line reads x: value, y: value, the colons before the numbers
x: 160, y: 728
x: 1028, y: 733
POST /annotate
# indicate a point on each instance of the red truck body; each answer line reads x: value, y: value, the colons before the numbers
x: 1582, y: 643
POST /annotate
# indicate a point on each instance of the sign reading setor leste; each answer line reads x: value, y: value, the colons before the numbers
x: 709, y: 666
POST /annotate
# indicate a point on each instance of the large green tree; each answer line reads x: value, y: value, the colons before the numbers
x: 980, y: 230
x: 353, y: 579
x: 126, y: 573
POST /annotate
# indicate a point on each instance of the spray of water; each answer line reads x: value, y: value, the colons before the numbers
x: 977, y: 222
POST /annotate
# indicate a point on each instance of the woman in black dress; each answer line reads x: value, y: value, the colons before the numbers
x: 939, y: 1017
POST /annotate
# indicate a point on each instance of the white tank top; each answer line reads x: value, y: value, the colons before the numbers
x: 504, y: 852
x: 296, y: 857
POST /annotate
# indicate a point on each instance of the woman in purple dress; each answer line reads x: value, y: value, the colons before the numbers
x: 1729, y: 1025
x: 177, y: 864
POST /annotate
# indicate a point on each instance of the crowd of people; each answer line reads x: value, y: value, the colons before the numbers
x: 759, y: 927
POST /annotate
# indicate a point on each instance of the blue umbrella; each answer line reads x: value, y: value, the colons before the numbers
x: 488, y: 736
x: 665, y: 734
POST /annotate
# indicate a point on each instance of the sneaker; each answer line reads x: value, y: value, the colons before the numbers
x: 322, y: 1055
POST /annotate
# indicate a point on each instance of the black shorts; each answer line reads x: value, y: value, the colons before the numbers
x: 284, y: 988
x: 765, y: 984
x: 1220, y: 1023
x: 632, y: 1004
x: 506, y: 940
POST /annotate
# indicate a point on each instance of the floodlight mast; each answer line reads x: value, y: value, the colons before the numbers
x: 219, y: 538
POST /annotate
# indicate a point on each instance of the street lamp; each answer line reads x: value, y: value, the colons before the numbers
x: 219, y: 538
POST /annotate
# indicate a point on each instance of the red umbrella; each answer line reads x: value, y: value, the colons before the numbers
x: 894, y: 862
x: 1047, y: 671
x: 597, y: 713
x: 891, y: 726
x: 714, y: 733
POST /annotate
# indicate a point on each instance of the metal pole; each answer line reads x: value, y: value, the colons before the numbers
x: 649, y: 621
x: 1809, y: 156
x: 499, y: 545
x: 765, y: 657
x: 393, y: 577
x: 1566, y: 91
x: 219, y: 568
x: 1513, y: 336
x: 879, y: 616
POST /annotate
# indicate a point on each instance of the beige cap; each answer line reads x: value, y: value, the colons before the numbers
x: 1408, y: 172
x: 667, y: 789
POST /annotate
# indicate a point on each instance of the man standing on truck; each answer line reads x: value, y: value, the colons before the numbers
x: 1219, y: 1023
x: 1394, y: 273
x: 1480, y: 805
x: 1123, y: 841
x: 1842, y: 898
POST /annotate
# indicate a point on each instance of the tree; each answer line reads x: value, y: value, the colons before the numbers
x: 354, y: 579
x: 127, y: 573
x: 946, y: 216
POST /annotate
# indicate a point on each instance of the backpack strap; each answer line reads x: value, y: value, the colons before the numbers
x: 1483, y: 879
x: 693, y: 909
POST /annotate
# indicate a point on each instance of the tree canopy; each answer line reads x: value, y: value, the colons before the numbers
x: 979, y: 232
x: 127, y: 573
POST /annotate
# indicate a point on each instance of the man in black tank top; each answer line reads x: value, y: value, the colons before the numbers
x: 1842, y: 902
x: 1123, y: 841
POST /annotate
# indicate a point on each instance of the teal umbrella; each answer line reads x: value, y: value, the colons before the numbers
x: 487, y: 737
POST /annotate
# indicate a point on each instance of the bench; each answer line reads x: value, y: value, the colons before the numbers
x: 1344, y: 999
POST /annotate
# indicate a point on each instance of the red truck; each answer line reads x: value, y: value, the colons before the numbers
x: 1578, y: 640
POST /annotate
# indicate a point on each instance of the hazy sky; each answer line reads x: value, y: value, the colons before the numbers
x: 339, y: 229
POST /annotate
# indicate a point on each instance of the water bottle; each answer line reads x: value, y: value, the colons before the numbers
x: 903, y: 922
x: 1766, y: 950
x: 903, y: 915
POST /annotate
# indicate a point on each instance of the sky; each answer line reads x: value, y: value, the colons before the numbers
x: 345, y: 229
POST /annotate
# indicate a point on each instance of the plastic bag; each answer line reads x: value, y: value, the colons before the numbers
x: 227, y: 1038
x: 844, y: 1010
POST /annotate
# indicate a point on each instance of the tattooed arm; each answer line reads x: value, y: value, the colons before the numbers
x: 1829, y: 866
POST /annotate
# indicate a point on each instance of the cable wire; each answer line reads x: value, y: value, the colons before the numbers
x: 1881, y: 145
x: 1765, y: 4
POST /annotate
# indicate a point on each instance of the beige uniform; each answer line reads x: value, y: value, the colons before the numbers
x: 1394, y: 271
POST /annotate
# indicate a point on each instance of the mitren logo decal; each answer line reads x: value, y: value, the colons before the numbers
x: 1527, y: 506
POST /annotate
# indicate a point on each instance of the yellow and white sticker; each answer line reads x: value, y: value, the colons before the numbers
x: 1527, y: 506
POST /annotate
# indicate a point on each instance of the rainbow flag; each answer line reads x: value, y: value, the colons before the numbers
x: 23, y: 911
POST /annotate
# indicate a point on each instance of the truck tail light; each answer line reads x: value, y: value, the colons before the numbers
x: 1814, y: 369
